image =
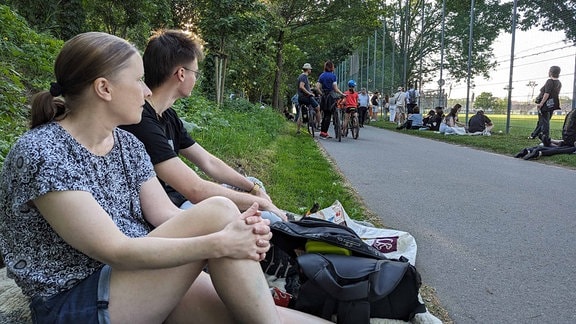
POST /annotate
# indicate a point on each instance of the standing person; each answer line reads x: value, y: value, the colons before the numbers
x: 79, y: 198
x: 327, y: 84
x: 305, y: 95
x: 480, y: 123
x: 375, y: 102
x: 401, y: 109
x: 393, y: 103
x: 412, y: 96
x: 385, y: 106
x: 549, y: 101
x: 363, y: 105
x: 166, y: 139
x: 401, y: 112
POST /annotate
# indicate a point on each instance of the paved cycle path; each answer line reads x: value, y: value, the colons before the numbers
x: 496, y: 235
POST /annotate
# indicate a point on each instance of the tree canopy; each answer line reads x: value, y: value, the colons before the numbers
x: 256, y: 48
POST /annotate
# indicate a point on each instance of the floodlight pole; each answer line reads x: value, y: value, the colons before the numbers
x: 469, y: 58
x: 441, y: 81
x: 514, y: 9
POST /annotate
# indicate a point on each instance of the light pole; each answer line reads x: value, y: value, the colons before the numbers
x: 441, y: 81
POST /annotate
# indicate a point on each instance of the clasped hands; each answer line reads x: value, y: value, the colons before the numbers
x: 251, y: 235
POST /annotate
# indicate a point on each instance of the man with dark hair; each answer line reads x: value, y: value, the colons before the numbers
x: 171, y: 71
x: 480, y: 124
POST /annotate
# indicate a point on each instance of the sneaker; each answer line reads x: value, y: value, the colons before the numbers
x: 324, y: 135
x: 522, y: 153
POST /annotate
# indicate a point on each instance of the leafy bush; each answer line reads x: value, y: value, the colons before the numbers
x: 26, y: 66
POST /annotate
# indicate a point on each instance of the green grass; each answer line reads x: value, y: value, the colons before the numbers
x: 508, y: 144
x: 294, y: 170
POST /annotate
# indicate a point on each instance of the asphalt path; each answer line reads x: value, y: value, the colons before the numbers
x: 495, y: 235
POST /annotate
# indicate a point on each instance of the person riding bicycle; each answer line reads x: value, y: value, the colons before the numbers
x: 327, y: 84
x: 305, y: 95
x: 351, y: 103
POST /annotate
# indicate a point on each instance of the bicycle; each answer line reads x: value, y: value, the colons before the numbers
x: 353, y: 123
x: 306, y: 115
x: 337, y: 108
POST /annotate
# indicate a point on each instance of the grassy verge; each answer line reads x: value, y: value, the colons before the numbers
x: 500, y: 142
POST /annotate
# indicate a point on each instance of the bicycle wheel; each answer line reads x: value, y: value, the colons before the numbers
x: 344, y: 126
x: 311, y: 120
x: 337, y: 124
x: 355, y: 126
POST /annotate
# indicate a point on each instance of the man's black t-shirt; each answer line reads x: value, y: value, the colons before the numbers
x: 163, y: 136
x: 477, y: 123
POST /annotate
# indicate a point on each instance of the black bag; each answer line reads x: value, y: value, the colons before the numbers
x: 291, y: 236
x: 357, y: 289
x: 363, y: 285
x: 538, y: 99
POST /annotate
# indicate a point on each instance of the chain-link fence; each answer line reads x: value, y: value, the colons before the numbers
x: 420, y: 45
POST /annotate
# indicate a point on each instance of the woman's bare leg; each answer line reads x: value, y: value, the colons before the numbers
x: 149, y: 296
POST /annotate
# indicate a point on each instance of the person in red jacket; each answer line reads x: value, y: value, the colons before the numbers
x: 351, y: 103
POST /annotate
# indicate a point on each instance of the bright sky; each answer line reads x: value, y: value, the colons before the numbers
x: 535, y: 51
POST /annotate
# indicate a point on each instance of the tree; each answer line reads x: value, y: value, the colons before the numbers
x: 316, y: 28
x: 129, y: 19
x: 485, y: 101
x: 225, y: 26
x: 491, y: 18
x: 62, y: 19
x: 549, y: 15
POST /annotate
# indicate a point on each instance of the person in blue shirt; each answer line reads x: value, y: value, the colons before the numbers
x: 328, y: 86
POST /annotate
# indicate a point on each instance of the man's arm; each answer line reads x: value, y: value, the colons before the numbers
x: 184, y: 180
x: 216, y: 168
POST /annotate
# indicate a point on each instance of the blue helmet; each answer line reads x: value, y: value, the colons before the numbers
x: 351, y: 84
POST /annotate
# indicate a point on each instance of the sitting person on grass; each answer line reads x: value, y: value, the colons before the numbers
x: 428, y: 119
x: 450, y: 124
x: 88, y: 233
x: 165, y: 138
x: 414, y: 120
x: 552, y: 147
x: 480, y: 124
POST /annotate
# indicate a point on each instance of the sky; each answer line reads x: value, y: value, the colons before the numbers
x: 535, y: 51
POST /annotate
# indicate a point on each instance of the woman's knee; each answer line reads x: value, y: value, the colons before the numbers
x: 220, y: 207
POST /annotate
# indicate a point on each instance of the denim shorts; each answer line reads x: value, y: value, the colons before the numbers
x: 87, y: 302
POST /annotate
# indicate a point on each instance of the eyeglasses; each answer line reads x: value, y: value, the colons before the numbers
x: 197, y: 73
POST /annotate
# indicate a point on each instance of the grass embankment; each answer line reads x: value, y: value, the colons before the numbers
x: 294, y: 170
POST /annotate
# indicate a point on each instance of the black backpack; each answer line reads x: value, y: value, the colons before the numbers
x: 357, y: 287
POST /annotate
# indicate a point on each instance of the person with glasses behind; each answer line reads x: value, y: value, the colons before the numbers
x: 171, y: 70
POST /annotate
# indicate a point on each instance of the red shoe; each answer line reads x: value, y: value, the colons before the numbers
x: 325, y: 135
